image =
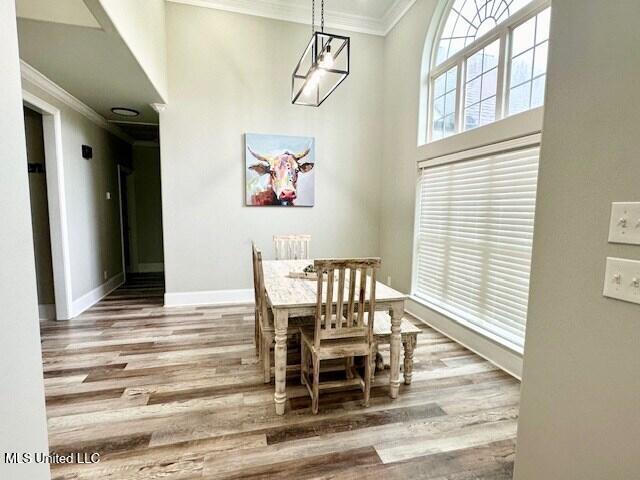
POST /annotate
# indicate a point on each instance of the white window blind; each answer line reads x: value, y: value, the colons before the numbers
x: 474, y: 238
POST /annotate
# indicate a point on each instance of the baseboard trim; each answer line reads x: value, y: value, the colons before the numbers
x: 89, y: 299
x: 209, y: 297
x: 47, y: 311
x: 150, y: 267
x: 503, y: 358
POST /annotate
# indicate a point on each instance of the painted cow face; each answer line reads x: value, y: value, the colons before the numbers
x: 283, y: 170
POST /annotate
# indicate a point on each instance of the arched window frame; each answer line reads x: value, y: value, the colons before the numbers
x: 503, y: 33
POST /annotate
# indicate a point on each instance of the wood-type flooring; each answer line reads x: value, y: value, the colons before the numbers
x: 178, y: 393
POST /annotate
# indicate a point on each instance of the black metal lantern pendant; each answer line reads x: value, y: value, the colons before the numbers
x: 323, y: 66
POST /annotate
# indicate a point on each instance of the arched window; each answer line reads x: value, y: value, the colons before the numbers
x: 489, y: 62
x: 475, y: 203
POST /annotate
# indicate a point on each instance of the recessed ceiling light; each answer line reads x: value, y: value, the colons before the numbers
x: 125, y: 112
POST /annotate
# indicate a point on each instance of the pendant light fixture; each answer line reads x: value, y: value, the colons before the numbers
x: 322, y: 67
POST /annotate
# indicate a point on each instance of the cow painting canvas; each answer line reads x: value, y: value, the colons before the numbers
x: 279, y: 170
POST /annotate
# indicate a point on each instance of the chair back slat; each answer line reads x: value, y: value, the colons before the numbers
x: 340, y: 300
x: 291, y: 247
x: 351, y: 296
x: 319, y: 320
x: 361, y: 296
x: 337, y: 323
x: 329, y: 302
x: 372, y: 303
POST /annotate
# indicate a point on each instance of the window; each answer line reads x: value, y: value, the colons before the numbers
x: 481, y: 86
x: 470, y: 19
x: 498, y: 48
x: 474, y: 233
x: 444, y: 104
x: 529, y: 63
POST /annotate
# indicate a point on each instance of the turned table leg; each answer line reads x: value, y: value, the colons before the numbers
x: 281, y: 322
x: 397, y: 310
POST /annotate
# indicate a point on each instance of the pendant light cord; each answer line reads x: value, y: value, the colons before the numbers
x: 313, y: 16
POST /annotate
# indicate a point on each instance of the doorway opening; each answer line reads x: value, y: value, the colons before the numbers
x: 37, y: 168
x: 49, y: 218
x: 141, y: 215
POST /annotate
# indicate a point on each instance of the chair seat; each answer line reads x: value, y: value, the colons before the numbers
x: 338, y: 348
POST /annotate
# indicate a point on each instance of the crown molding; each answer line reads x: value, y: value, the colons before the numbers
x: 159, y: 107
x: 290, y: 12
x: 36, y: 78
x: 395, y: 13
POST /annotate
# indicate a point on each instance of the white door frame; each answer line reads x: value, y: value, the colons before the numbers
x: 128, y: 172
x: 122, y: 232
x: 52, y: 130
x: 132, y: 221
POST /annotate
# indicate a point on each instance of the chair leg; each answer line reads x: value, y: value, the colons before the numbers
x: 315, y: 396
x: 367, y: 378
x: 348, y: 366
x: 256, y: 333
x: 259, y: 347
x: 267, y: 342
x: 303, y: 362
x: 373, y: 360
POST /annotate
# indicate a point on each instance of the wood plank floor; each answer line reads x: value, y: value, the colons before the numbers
x: 178, y: 394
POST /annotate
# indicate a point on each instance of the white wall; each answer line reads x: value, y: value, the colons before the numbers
x: 93, y: 221
x: 230, y: 74
x: 22, y: 415
x: 579, y: 415
x: 403, y: 50
x: 141, y: 24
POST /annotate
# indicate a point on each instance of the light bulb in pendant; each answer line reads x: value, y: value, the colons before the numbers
x: 326, y: 60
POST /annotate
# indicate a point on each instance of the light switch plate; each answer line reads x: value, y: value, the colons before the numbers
x: 625, y: 223
x: 622, y: 279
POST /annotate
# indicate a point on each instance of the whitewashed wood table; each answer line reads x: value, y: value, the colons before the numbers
x: 296, y: 297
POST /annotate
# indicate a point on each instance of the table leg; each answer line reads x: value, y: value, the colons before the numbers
x: 396, y: 311
x: 281, y: 322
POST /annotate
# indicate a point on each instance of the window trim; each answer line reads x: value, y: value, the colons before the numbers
x: 502, y: 33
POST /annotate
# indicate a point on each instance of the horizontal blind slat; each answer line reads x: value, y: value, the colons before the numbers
x: 474, y: 239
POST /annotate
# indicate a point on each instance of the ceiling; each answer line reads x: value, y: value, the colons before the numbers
x: 69, y: 12
x: 78, y: 48
x: 75, y: 45
x: 367, y: 16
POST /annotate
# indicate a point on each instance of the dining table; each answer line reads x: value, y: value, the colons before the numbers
x: 290, y: 296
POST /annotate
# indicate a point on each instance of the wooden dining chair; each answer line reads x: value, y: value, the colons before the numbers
x: 255, y: 254
x: 344, y: 331
x: 264, y: 335
x: 291, y: 247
